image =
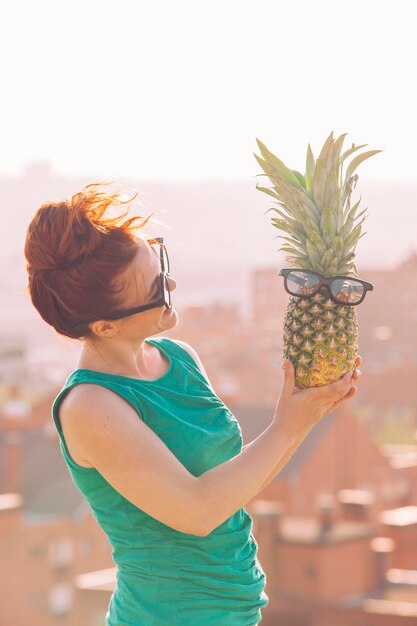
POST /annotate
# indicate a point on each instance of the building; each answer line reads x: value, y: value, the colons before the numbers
x: 339, y: 505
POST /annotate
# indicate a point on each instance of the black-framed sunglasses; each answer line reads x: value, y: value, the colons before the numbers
x: 343, y: 290
x: 164, y: 299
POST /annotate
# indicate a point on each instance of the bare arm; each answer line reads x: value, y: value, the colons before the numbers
x: 109, y: 434
x: 274, y: 472
x: 197, y: 359
x: 289, y: 442
x: 231, y: 485
x: 255, y: 466
x: 282, y: 462
x: 277, y: 468
x: 137, y: 463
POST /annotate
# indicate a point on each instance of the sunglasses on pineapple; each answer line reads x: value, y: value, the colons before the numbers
x: 342, y: 289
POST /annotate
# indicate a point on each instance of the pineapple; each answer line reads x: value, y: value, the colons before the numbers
x: 320, y: 335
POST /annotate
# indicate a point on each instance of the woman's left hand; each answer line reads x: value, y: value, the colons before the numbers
x: 355, y: 376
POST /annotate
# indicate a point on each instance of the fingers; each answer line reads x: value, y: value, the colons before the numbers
x: 353, y: 389
x: 336, y: 391
x: 356, y: 374
x: 356, y: 371
x: 339, y: 388
x: 289, y: 377
x: 350, y: 394
x: 344, y: 382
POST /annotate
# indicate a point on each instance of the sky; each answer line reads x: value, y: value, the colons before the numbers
x: 180, y: 90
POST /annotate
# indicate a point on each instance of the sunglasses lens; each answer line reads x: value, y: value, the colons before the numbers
x: 302, y: 283
x: 347, y: 290
x: 165, y: 260
x: 167, y: 293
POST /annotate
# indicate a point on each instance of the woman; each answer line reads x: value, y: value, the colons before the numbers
x: 154, y: 451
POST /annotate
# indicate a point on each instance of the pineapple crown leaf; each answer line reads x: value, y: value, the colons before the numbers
x: 300, y: 178
x: 292, y: 196
x: 296, y: 200
x: 319, y: 182
x: 326, y: 172
x: 292, y: 248
x: 267, y: 190
x: 291, y: 227
x: 326, y: 154
x: 327, y: 258
x: 328, y: 225
x: 331, y: 188
x: 267, y: 167
x: 310, y: 164
x: 352, y: 240
x: 278, y: 165
x: 361, y: 213
x: 316, y: 238
x: 275, y: 175
x: 353, y: 210
x: 347, y: 189
x: 358, y: 160
x: 317, y: 209
x: 280, y: 204
x: 346, y: 154
x: 347, y: 226
x: 312, y: 252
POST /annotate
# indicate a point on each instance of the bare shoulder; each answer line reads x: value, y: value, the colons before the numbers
x: 195, y: 356
x: 187, y: 347
x: 190, y: 351
x: 104, y: 428
x: 92, y: 400
x: 82, y: 410
x: 81, y: 396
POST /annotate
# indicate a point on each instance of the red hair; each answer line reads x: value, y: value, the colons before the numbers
x: 74, y: 256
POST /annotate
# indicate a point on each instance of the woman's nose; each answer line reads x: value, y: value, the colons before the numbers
x: 172, y: 283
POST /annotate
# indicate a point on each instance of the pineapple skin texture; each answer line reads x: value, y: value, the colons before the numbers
x: 320, y: 338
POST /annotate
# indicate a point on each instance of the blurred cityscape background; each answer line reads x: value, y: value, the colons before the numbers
x: 167, y: 99
x: 336, y: 528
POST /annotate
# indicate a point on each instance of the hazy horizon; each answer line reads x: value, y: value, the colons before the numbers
x: 147, y: 93
x: 216, y: 232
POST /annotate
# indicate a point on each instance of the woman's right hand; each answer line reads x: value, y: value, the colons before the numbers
x: 303, y: 408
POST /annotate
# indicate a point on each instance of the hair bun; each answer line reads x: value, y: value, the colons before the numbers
x: 61, y: 235
x: 65, y: 234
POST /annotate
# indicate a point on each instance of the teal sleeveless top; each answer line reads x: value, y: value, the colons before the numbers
x: 166, y: 577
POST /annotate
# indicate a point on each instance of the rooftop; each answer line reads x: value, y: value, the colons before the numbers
x: 100, y: 580
x: 400, y: 455
x: 361, y: 497
x: 303, y: 530
x: 10, y: 501
x: 402, y: 516
x: 398, y: 598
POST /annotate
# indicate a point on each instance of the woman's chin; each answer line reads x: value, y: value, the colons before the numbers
x: 170, y: 314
